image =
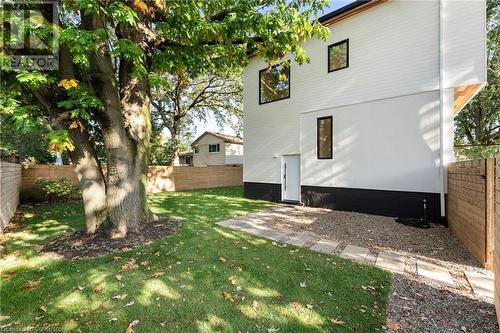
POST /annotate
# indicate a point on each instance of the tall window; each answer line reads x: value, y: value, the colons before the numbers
x: 325, y: 135
x: 338, y: 56
x: 196, y: 150
x: 215, y: 148
x: 274, y: 83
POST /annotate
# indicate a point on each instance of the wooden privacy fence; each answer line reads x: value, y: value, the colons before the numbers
x: 10, y: 182
x: 471, y: 207
x: 160, y: 178
x: 497, y: 238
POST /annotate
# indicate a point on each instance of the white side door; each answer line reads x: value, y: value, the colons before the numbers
x: 290, y: 180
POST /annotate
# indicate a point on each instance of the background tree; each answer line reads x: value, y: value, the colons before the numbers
x: 177, y: 106
x: 111, y: 53
x: 477, y: 126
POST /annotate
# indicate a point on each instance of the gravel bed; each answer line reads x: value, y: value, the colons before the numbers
x: 418, y: 307
x: 415, y: 304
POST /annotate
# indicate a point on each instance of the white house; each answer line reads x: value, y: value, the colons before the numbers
x: 213, y: 148
x: 367, y: 125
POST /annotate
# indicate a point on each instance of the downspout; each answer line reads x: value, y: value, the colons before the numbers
x: 442, y: 199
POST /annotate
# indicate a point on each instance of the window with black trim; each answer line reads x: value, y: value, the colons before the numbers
x: 338, y: 56
x: 196, y: 150
x: 325, y: 138
x: 215, y: 148
x: 274, y: 83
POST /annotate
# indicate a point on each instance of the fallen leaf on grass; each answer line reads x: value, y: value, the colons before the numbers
x: 132, y: 302
x: 119, y: 296
x: 131, y: 325
x: 131, y: 264
x: 232, y: 279
x: 222, y: 259
x: 337, y: 321
x: 296, y: 305
x: 226, y: 295
x: 272, y: 329
x: 393, y: 326
x: 43, y: 308
x: 116, y: 259
x: 32, y: 284
x: 254, y: 305
x: 99, y: 287
x: 158, y: 274
x: 119, y: 277
x: 302, y: 284
x: 4, y: 317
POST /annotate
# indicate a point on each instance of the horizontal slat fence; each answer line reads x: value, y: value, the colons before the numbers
x: 160, y: 178
x: 10, y: 183
x: 470, y: 213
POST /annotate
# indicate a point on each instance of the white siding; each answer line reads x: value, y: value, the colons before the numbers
x: 234, y: 153
x: 206, y: 158
x: 393, y: 51
x: 389, y: 144
x: 464, y: 51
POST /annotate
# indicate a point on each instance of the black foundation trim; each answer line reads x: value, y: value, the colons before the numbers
x: 262, y: 191
x: 379, y: 202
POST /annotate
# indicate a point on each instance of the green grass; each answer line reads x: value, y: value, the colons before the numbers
x: 198, y: 263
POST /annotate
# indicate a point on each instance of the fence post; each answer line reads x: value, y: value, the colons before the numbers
x: 490, y: 214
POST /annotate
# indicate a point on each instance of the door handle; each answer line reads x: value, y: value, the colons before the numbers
x: 284, y: 176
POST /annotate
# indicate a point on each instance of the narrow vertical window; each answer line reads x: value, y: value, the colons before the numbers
x: 324, y: 136
x: 338, y: 56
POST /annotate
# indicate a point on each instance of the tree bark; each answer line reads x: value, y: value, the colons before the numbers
x: 126, y: 129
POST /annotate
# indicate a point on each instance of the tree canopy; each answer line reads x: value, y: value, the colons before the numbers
x: 477, y: 126
x: 111, y: 55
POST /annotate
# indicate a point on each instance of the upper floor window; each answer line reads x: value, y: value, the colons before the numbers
x: 196, y: 150
x: 325, y: 138
x: 215, y: 148
x: 274, y: 83
x: 338, y: 56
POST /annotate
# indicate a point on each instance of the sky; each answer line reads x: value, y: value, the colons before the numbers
x: 210, y: 125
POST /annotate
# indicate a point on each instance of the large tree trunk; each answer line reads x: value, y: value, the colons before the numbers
x: 176, y: 139
x: 91, y: 180
x: 126, y: 129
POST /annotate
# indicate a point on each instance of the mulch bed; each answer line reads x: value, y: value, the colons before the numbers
x: 80, y: 245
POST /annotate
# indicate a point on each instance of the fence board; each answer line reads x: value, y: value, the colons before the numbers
x: 471, y: 191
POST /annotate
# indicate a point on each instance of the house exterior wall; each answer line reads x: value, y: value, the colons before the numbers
x: 388, y: 144
x: 392, y: 118
x: 393, y: 51
x: 464, y: 51
x: 234, y: 153
x: 204, y: 157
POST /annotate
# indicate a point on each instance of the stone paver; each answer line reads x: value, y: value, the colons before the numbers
x: 300, y: 239
x: 325, y: 246
x: 275, y: 235
x: 355, y: 253
x: 392, y: 262
x: 434, y: 272
x: 482, y: 284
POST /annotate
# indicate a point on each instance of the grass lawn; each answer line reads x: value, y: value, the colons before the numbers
x: 203, y: 279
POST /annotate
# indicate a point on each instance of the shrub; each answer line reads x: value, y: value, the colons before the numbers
x: 61, y: 189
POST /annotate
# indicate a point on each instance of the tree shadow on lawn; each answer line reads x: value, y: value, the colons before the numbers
x: 203, y: 279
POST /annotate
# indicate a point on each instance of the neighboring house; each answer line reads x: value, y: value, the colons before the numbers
x: 367, y: 125
x: 186, y: 158
x: 213, y: 148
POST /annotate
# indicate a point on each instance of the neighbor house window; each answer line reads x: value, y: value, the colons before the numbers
x: 214, y: 148
x: 274, y: 83
x: 338, y: 56
x: 325, y: 134
x: 196, y: 150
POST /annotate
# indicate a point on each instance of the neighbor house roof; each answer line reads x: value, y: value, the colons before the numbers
x: 224, y: 137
